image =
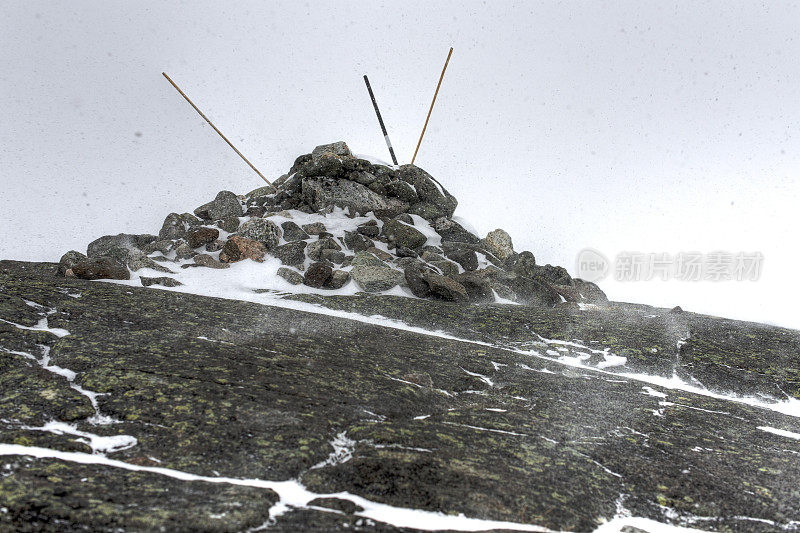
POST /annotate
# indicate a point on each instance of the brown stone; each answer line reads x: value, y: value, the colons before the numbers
x: 201, y: 236
x: 238, y: 248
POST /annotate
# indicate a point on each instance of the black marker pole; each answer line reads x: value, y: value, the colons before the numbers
x: 380, y: 120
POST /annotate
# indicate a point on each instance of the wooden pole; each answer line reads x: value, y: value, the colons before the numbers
x: 215, y: 128
x: 431, y: 109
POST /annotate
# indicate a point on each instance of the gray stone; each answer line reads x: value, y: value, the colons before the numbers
x: 338, y: 149
x: 376, y: 278
x: 338, y: 279
x: 314, y: 228
x: 293, y: 253
x: 262, y: 230
x: 293, y: 232
x: 184, y: 251
x: 118, y: 246
x: 137, y: 260
x: 164, y: 281
x: 206, y: 260
x: 68, y: 260
x: 366, y: 259
x: 172, y: 228
x: 191, y: 220
x: 314, y: 249
x: 334, y: 256
x: 323, y: 194
x: 226, y: 204
x: 229, y: 224
x: 290, y: 275
x: 447, y: 268
x: 401, y: 234
x: 406, y: 218
x: 498, y: 242
x: 215, y: 246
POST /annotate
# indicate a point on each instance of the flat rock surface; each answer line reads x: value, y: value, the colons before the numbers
x: 142, y: 409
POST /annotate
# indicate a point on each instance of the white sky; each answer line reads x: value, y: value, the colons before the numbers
x: 627, y: 126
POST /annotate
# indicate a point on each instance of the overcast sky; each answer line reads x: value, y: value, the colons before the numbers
x: 655, y: 127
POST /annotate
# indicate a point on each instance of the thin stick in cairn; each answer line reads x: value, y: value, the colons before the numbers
x: 431, y: 109
x: 215, y: 128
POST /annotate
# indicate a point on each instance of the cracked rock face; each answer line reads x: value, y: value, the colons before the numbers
x: 555, y: 418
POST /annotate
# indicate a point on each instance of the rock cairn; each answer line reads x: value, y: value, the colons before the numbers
x: 405, y: 236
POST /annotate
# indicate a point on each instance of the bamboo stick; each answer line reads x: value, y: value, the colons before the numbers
x: 215, y: 128
x: 433, y: 102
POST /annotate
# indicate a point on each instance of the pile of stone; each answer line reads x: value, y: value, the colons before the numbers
x: 397, y: 212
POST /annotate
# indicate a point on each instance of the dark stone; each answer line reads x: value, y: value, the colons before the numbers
x: 429, y: 191
x: 416, y: 282
x: 358, y: 242
x: 464, y: 257
x: 293, y: 232
x: 314, y: 228
x: 445, y: 288
x: 164, y: 281
x: 402, y: 190
x: 478, y: 288
x: 677, y: 310
x: 403, y: 251
x: 201, y: 236
x: 293, y: 253
x: 368, y: 230
x: 99, y: 268
x: 452, y: 231
x: 337, y: 504
x: 406, y: 218
x: 317, y: 275
x: 401, y: 234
